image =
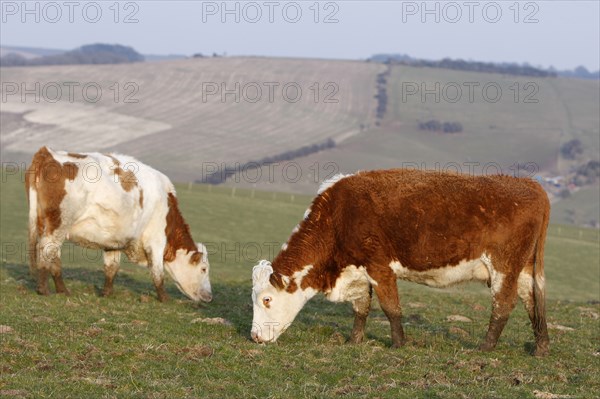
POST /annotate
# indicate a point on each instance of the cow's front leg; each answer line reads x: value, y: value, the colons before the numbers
x: 161, y: 293
x: 112, y: 260
x: 387, y: 292
x: 157, y: 270
x: 361, y: 308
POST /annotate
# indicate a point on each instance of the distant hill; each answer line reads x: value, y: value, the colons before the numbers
x: 168, y: 57
x: 580, y: 72
x: 492, y: 67
x: 88, y: 54
x: 29, y: 52
x: 36, y: 52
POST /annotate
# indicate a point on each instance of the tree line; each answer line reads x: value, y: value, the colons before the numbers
x: 506, y: 68
x: 222, y: 175
x: 444, y: 127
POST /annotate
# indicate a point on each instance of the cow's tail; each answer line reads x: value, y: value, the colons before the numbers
x: 539, y: 284
x: 31, y: 191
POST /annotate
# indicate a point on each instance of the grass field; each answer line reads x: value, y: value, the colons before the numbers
x: 130, y: 345
x: 580, y: 208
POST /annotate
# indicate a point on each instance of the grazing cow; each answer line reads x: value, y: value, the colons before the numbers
x: 364, y: 231
x: 117, y: 204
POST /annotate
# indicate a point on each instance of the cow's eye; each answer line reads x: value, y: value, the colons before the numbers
x: 267, y: 301
x: 203, y: 270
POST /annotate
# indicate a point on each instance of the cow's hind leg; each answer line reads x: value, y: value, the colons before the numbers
x: 112, y: 260
x: 504, y: 298
x: 387, y: 292
x: 538, y: 321
x: 49, y: 264
x: 361, y: 308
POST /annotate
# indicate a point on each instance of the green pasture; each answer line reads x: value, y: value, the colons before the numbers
x: 132, y: 346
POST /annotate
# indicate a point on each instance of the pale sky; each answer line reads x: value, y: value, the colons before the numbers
x: 563, y: 34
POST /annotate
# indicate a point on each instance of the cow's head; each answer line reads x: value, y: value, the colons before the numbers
x: 274, y: 307
x: 190, y: 270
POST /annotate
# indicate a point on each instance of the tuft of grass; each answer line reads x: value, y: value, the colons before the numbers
x: 130, y: 345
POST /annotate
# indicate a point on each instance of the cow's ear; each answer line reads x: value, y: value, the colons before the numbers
x: 195, y: 258
x: 261, y: 274
x: 202, y: 249
x: 285, y: 280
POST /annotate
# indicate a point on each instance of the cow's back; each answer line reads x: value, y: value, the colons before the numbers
x: 106, y: 201
x: 428, y: 219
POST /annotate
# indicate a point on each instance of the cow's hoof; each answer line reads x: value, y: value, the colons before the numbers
x: 106, y: 293
x: 43, y: 291
x: 355, y: 340
x: 163, y: 298
x: 399, y: 344
x: 541, y: 352
x: 486, y: 347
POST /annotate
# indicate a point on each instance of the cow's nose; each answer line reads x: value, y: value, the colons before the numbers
x: 207, y: 298
x: 255, y: 337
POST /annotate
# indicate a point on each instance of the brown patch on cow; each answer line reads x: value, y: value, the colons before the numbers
x: 76, y: 155
x: 127, y: 178
x: 178, y: 233
x: 47, y: 177
x: 141, y: 198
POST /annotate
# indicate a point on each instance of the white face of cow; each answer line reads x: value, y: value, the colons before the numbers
x: 191, y: 275
x: 274, y: 309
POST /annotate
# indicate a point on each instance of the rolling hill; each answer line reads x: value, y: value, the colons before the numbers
x: 165, y: 115
x: 193, y: 117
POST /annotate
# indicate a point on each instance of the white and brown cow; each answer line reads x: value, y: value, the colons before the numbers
x: 114, y: 203
x: 364, y: 231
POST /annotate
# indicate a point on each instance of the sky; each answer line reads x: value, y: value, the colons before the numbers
x: 563, y: 34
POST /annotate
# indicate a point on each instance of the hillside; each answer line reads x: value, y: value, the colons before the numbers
x: 165, y: 114
x: 496, y: 135
x: 172, y: 126
x: 505, y: 132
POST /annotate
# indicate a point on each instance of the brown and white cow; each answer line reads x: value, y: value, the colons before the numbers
x: 364, y: 231
x: 114, y: 203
